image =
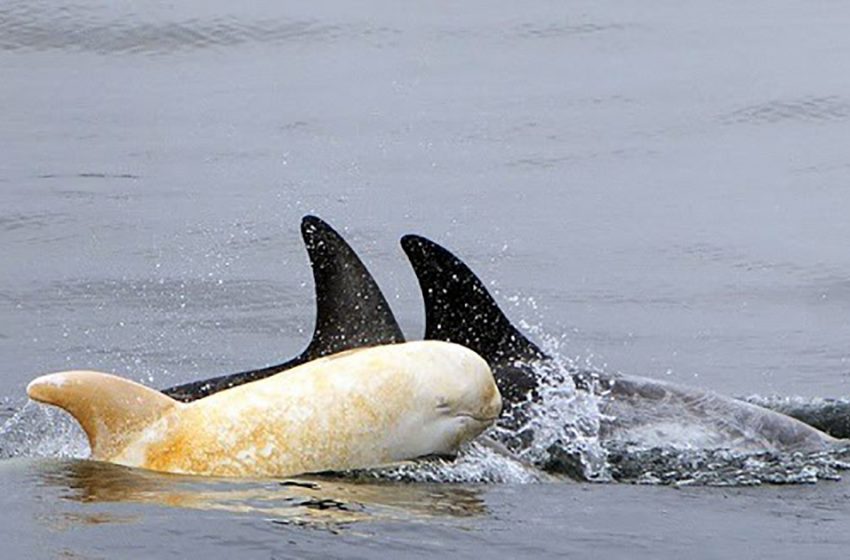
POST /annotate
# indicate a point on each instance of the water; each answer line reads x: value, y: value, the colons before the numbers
x: 660, y: 187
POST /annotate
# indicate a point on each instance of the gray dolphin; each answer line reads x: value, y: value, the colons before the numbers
x: 458, y: 308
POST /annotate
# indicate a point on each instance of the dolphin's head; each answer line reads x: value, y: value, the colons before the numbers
x: 456, y: 394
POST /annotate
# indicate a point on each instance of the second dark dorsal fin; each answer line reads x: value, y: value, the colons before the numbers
x: 458, y: 308
x: 351, y: 311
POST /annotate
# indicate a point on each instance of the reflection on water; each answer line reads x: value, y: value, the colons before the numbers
x: 326, y: 503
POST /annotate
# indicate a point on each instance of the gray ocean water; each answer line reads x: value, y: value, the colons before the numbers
x: 659, y: 187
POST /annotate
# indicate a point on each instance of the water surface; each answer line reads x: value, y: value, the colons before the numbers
x: 660, y: 187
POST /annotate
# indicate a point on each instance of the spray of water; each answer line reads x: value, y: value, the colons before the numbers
x: 41, y: 431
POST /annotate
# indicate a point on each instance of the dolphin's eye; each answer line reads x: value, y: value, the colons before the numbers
x: 443, y: 404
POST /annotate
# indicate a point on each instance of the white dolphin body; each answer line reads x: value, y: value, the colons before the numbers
x: 361, y: 408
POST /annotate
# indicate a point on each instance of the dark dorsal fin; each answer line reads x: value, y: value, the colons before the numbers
x: 458, y: 308
x: 351, y: 311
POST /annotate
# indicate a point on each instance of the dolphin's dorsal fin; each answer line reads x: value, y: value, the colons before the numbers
x: 112, y: 410
x: 458, y: 308
x: 351, y: 311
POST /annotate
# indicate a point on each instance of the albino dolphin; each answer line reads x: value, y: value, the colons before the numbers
x: 356, y: 409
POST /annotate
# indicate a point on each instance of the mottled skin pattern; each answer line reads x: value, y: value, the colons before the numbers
x: 356, y: 409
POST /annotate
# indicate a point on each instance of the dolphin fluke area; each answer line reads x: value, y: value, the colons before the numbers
x: 351, y: 311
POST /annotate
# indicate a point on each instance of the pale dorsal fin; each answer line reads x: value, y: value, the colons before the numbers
x: 111, y: 410
x: 351, y: 311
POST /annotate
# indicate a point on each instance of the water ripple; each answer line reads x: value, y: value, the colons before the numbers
x: 532, y: 30
x: 314, y: 502
x: 39, y: 27
x: 535, y: 30
x: 34, y: 220
x: 806, y: 109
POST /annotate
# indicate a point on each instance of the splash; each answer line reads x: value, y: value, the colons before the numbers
x: 560, y: 427
x: 724, y: 467
x: 7, y: 409
x: 40, y: 431
x: 476, y: 463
